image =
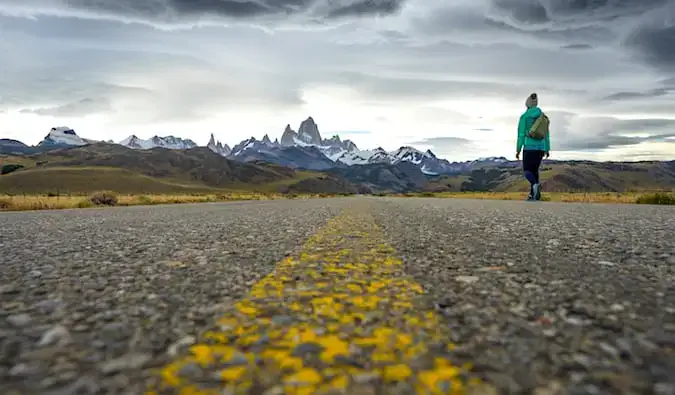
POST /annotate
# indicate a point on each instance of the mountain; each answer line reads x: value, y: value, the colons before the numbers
x: 218, y: 147
x: 304, y: 149
x: 102, y: 165
x: 340, y: 153
x: 308, y: 136
x: 169, y: 142
x: 126, y: 170
x: 9, y: 146
x: 384, y: 177
x: 62, y: 136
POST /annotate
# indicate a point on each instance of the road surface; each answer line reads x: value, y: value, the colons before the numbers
x: 363, y: 295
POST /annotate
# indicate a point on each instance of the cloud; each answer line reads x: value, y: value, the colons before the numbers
x: 644, y: 28
x: 445, y: 146
x: 181, y: 12
x: 83, y: 107
x: 405, y: 70
x: 576, y: 133
x: 652, y: 93
x: 577, y: 46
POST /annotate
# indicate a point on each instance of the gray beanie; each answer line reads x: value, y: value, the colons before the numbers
x: 532, y: 100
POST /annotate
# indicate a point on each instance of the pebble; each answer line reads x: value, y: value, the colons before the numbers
x: 467, y: 279
x: 49, y: 306
x: 19, y: 320
x: 616, y: 307
x: 130, y: 361
x: 57, y: 335
x: 664, y: 389
x: 276, y: 390
x: 307, y: 348
x: 173, y: 349
x: 113, y: 332
x: 23, y: 370
x: 9, y: 289
x: 610, y: 350
x: 365, y: 378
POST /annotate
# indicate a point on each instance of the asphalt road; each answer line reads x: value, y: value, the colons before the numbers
x: 538, y: 298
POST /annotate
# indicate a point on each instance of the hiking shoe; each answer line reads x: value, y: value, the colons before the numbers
x: 536, y: 188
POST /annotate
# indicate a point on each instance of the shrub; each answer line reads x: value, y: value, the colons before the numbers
x: 104, y: 198
x: 656, y: 198
x: 84, y: 204
x: 144, y: 199
x: 5, y: 204
x: 6, y: 169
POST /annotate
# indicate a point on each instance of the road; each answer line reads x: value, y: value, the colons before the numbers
x: 364, y: 295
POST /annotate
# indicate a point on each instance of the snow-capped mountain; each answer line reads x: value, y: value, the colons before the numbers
x: 63, y: 136
x: 308, y: 135
x: 427, y: 161
x: 302, y: 149
x: 340, y: 153
x: 169, y: 142
x: 218, y: 147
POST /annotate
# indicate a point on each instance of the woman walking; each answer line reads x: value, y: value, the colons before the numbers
x: 533, y: 140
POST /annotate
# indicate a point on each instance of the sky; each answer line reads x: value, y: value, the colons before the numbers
x: 450, y: 76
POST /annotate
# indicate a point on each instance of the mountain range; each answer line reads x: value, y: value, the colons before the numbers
x: 301, y: 161
x: 301, y: 149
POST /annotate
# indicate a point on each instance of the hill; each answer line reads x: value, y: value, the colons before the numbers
x: 160, y: 170
x: 572, y: 176
x: 99, y: 166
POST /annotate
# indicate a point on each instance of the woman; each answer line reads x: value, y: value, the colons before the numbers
x: 534, y: 149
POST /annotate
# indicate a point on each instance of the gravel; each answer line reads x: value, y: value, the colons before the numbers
x: 541, y: 298
x: 92, y: 300
x: 547, y: 298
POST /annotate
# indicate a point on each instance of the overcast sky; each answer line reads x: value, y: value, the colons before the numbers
x: 447, y: 75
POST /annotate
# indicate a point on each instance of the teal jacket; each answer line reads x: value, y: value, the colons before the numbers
x: 524, y: 124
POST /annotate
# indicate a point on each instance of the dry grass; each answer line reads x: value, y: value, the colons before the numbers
x: 44, y: 202
x: 576, y: 197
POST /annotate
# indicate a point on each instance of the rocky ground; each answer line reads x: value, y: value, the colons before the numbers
x: 548, y: 298
x: 541, y: 298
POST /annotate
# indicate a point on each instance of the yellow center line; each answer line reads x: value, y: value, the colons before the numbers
x: 339, y: 317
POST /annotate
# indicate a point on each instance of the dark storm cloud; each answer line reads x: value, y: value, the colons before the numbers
x: 525, y: 11
x: 655, y: 45
x: 573, y: 12
x: 652, y: 38
x: 180, y: 11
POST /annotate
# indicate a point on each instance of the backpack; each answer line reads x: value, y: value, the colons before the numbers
x: 539, y: 129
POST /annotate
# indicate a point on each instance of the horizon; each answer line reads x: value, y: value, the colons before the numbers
x: 449, y: 78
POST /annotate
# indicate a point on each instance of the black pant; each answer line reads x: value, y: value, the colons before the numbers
x: 531, y: 162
